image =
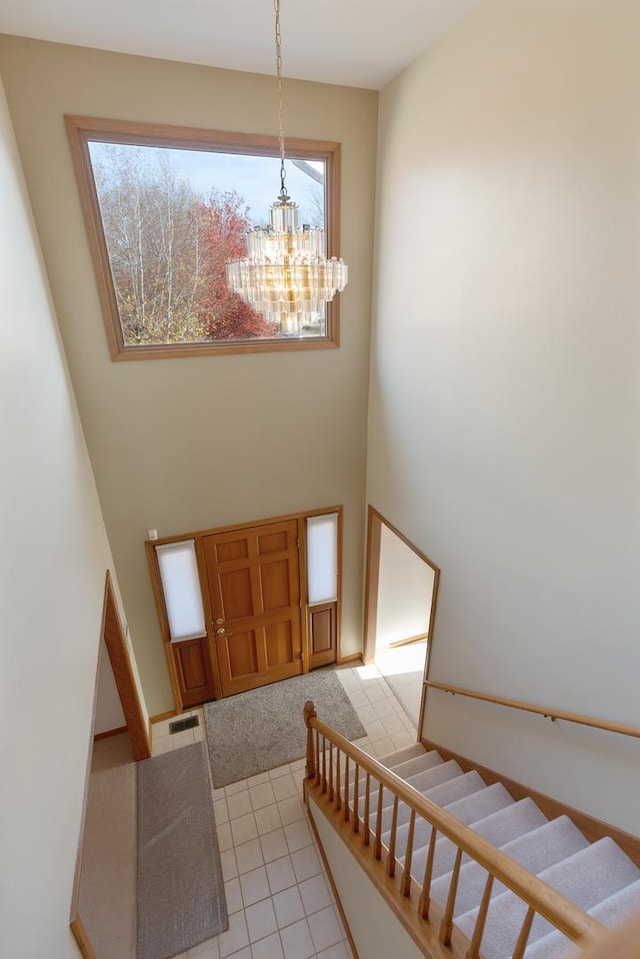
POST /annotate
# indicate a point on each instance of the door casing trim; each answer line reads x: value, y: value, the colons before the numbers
x: 375, y: 522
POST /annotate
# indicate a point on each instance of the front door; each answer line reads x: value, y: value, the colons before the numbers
x: 254, y: 587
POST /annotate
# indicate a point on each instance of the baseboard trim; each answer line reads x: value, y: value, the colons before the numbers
x: 110, y: 732
x: 160, y: 717
x: 352, y: 658
x: 82, y: 939
x: 420, y: 638
x: 592, y: 828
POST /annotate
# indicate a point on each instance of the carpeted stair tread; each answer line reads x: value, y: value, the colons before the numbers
x: 424, y: 782
x: 505, y: 824
x: 443, y: 795
x: 421, y: 781
x: 402, y: 755
x: 619, y: 906
x: 457, y: 788
x: 500, y: 827
x: 419, y: 764
x: 535, y: 850
x: 409, y: 767
x: 481, y: 804
x: 586, y: 878
x: 477, y: 805
x: 611, y: 912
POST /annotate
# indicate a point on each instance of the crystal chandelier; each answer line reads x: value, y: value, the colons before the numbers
x: 286, y: 276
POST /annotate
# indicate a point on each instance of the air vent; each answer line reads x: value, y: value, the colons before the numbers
x: 181, y: 724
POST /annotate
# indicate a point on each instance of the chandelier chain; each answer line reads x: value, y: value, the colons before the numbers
x: 276, y: 7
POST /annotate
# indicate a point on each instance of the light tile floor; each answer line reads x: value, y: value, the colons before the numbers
x: 279, y: 900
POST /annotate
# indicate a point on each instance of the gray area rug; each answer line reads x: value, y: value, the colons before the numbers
x: 264, y: 728
x: 180, y: 889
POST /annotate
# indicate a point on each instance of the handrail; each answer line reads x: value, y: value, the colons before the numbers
x: 545, y: 711
x: 561, y: 912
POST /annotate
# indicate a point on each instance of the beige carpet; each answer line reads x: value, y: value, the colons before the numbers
x: 181, y: 900
x: 107, y: 902
x: 264, y: 728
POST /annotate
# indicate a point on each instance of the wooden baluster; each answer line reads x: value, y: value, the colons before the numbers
x: 318, y: 769
x: 377, y: 848
x: 367, y: 829
x: 391, y: 858
x: 346, y: 788
x: 423, y: 903
x: 309, y: 713
x: 473, y: 952
x: 406, y: 875
x: 338, y: 804
x: 330, y: 771
x: 324, y: 764
x: 355, y: 822
x: 446, y: 926
x: 521, y: 944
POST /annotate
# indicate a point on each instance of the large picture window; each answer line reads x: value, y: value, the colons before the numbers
x: 167, y: 207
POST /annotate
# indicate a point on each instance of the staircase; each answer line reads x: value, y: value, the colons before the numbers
x: 598, y: 877
x: 490, y: 920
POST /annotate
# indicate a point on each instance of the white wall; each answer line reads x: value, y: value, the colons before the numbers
x: 505, y: 386
x: 55, y: 555
x: 405, y: 589
x: 109, y: 713
x: 377, y: 932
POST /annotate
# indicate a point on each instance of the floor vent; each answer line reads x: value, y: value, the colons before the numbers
x: 181, y: 724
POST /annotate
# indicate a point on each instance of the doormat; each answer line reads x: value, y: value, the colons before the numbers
x: 264, y: 728
x: 181, y: 899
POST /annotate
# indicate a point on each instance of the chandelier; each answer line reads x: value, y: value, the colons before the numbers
x: 286, y: 276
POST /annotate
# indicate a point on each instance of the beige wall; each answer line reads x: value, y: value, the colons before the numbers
x: 109, y: 713
x: 192, y: 444
x: 55, y: 556
x: 505, y: 387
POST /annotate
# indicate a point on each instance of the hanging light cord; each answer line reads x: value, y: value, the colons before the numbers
x: 283, y: 175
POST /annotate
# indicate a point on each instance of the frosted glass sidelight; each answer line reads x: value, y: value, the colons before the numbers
x: 181, y: 587
x: 322, y: 558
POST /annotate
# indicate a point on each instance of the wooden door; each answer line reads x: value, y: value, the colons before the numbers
x: 254, y: 587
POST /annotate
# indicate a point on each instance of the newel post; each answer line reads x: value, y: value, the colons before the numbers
x: 309, y: 713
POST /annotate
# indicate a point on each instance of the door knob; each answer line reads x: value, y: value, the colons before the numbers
x: 221, y: 631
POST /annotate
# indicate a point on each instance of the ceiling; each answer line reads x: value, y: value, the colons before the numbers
x: 362, y: 43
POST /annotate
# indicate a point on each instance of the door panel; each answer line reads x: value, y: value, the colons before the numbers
x: 235, y: 594
x: 274, y: 582
x: 192, y: 663
x: 279, y: 644
x: 323, y: 626
x: 241, y: 654
x: 272, y: 543
x: 253, y: 579
x: 236, y: 549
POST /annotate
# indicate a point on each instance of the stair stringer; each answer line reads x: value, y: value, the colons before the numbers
x: 423, y: 934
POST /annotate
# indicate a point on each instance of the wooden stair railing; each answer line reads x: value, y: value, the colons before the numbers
x: 333, y: 763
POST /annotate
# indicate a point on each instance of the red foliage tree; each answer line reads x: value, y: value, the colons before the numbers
x: 223, y: 223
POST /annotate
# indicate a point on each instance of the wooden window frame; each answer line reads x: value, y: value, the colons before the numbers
x: 82, y: 130
x: 198, y: 536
